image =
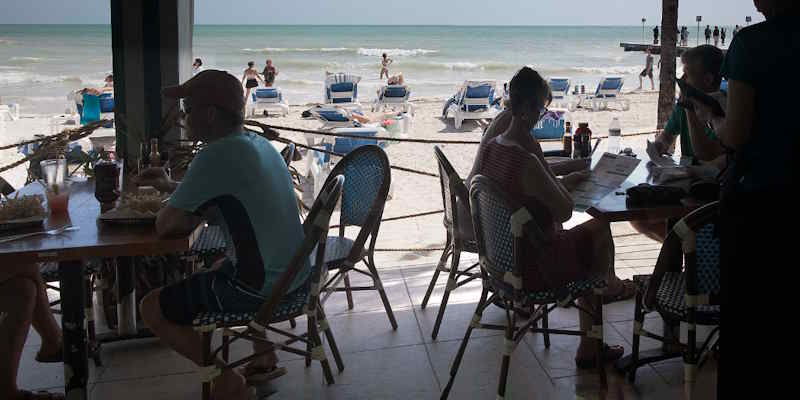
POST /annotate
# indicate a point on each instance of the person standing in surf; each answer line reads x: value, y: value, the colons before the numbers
x: 270, y: 72
x: 648, y: 70
x: 385, y: 62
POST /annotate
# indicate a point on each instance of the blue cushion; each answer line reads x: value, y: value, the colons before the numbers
x: 611, y: 84
x: 333, y: 116
x: 343, y: 100
x: 106, y: 103
x: 477, y: 92
x: 394, y: 91
x: 268, y: 93
x: 342, y: 87
x: 559, y: 85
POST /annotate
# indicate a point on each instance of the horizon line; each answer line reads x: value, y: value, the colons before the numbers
x: 368, y: 25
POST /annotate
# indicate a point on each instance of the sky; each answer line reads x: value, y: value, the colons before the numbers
x: 400, y: 12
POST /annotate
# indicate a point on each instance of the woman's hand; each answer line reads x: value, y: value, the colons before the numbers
x: 573, y: 179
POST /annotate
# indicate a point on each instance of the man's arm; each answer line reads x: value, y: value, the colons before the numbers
x: 172, y: 222
x: 735, y: 129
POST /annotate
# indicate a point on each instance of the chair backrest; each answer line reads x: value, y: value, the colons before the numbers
x: 700, y: 243
x: 610, y: 86
x: 288, y: 154
x: 367, y: 178
x: 559, y: 87
x: 267, y: 95
x: 501, y: 225
x: 315, y: 228
x: 341, y: 88
x: 106, y: 103
x: 328, y: 114
x: 395, y: 91
x: 453, y: 192
x: 477, y: 96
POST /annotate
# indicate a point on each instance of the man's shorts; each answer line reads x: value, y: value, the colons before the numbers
x: 210, y: 291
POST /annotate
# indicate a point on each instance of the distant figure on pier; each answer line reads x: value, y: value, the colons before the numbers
x: 722, y: 35
x: 716, y: 36
x: 655, y: 35
x: 708, y: 34
x: 684, y: 36
x: 735, y: 31
x: 648, y: 70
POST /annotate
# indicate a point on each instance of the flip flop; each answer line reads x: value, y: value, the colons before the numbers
x: 259, y: 375
x: 55, y: 357
x: 627, y: 292
x: 610, y: 353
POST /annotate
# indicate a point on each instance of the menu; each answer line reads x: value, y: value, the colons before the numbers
x: 606, y: 176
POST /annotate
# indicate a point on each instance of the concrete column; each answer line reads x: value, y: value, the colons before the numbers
x: 152, y: 48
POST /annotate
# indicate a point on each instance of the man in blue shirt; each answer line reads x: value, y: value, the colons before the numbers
x: 241, y: 179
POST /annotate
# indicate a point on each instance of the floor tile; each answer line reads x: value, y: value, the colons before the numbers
x: 559, y: 360
x: 34, y: 375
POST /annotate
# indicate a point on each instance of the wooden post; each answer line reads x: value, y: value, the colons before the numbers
x: 666, y: 77
x: 152, y: 48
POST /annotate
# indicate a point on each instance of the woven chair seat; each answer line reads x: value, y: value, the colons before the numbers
x: 291, y: 306
x: 336, y: 251
x: 210, y: 242
x: 575, y: 289
x: 671, y: 303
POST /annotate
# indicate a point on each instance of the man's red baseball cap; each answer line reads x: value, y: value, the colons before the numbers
x: 211, y: 87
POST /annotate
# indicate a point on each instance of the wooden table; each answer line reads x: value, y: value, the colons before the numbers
x: 614, y: 208
x: 70, y: 250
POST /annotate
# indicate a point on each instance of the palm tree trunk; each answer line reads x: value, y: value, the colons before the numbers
x: 669, y: 39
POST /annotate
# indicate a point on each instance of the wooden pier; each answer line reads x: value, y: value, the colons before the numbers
x: 654, y: 48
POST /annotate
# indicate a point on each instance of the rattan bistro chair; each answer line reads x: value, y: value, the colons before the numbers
x: 502, y: 227
x: 455, y: 198
x: 281, y: 306
x: 367, y: 178
x: 691, y: 295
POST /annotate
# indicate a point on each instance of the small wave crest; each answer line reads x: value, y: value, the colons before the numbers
x: 25, y: 60
x: 394, y: 52
x: 267, y: 50
x: 612, y: 70
x: 12, y: 77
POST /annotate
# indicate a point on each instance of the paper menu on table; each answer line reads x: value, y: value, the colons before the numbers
x: 606, y: 176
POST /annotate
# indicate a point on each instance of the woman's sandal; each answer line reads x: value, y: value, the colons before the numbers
x: 610, y: 353
x: 627, y: 292
x: 261, y: 375
x: 42, y: 395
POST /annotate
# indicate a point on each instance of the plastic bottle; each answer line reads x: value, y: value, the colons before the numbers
x: 614, y: 136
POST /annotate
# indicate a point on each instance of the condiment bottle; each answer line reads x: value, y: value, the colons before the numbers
x: 155, y: 157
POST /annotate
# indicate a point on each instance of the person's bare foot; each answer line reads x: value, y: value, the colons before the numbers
x: 230, y: 385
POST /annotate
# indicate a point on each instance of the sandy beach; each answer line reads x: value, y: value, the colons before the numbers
x: 411, y: 193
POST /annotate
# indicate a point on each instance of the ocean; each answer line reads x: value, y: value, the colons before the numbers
x: 40, y: 64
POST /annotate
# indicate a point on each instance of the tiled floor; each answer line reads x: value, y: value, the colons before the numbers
x: 405, y: 364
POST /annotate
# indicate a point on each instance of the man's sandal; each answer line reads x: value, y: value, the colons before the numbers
x: 261, y: 375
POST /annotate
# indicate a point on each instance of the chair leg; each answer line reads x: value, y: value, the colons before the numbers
x: 638, y: 321
x: 315, y: 347
x: 509, y: 337
x: 292, y: 323
x: 311, y: 321
x: 331, y: 341
x: 690, y: 358
x: 451, y: 284
x: 385, y: 299
x: 226, y: 341
x: 545, y: 326
x: 91, y: 334
x: 463, y: 346
x: 206, y: 362
x: 439, y: 268
x: 348, y: 291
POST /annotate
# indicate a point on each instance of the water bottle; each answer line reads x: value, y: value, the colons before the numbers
x: 614, y: 136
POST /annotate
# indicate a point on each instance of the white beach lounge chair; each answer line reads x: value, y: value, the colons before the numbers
x: 9, y: 112
x: 559, y: 86
x: 268, y: 101
x: 342, y: 89
x: 333, y: 117
x: 394, y: 97
x: 474, y: 100
x: 609, y: 90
